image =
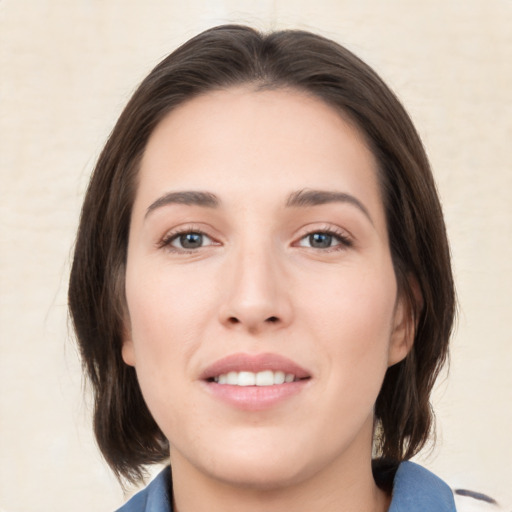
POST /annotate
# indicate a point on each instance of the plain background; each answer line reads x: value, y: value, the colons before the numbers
x: 67, y: 69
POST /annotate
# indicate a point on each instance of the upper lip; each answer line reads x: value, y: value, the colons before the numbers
x: 253, y: 363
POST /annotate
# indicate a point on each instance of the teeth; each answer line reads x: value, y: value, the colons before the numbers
x: 264, y: 378
x: 244, y: 379
x: 232, y: 378
x: 279, y: 377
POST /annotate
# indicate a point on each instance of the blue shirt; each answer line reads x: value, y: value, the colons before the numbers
x: 415, y: 489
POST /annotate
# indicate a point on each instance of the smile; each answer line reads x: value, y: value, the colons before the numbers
x: 255, y: 382
x: 263, y: 378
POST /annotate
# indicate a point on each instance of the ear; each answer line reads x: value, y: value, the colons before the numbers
x: 128, y: 353
x: 404, y: 323
x: 127, y: 349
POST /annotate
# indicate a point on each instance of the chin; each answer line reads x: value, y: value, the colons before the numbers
x: 260, y: 475
x: 261, y: 465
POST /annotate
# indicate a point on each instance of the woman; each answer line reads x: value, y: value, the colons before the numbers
x: 261, y: 287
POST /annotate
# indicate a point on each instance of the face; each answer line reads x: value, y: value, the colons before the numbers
x: 261, y: 296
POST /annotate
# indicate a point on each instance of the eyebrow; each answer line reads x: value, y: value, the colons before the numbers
x: 300, y: 199
x: 308, y: 197
x: 189, y: 198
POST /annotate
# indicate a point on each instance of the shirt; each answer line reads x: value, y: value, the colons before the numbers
x: 415, y: 489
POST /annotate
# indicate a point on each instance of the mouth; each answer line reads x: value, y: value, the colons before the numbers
x: 254, y: 382
x: 254, y: 370
x: 263, y: 378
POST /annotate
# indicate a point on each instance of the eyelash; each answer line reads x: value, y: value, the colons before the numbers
x: 169, y: 238
x: 344, y: 241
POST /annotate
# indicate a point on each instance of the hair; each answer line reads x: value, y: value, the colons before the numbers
x: 220, y: 58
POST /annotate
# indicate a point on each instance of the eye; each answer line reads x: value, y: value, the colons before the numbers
x: 188, y: 241
x: 324, y: 240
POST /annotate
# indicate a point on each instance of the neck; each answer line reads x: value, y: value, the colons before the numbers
x: 347, y: 486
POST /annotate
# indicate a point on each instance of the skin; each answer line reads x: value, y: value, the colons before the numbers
x: 258, y: 285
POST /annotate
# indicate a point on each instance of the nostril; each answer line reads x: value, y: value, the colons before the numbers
x: 233, y: 320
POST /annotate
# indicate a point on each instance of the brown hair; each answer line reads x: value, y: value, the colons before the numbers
x: 224, y: 57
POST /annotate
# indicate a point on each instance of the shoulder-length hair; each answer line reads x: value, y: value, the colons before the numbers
x: 220, y: 58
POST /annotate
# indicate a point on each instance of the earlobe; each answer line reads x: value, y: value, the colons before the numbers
x: 128, y: 352
x: 127, y: 349
x: 402, y: 336
x: 405, y: 322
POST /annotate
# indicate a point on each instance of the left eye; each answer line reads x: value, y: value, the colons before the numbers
x: 190, y: 240
x: 320, y: 240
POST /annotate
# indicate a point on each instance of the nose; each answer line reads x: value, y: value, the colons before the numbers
x: 257, y: 295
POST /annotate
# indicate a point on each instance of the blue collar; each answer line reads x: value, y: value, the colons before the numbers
x: 415, y: 489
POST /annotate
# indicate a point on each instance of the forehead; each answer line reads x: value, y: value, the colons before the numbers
x: 241, y: 142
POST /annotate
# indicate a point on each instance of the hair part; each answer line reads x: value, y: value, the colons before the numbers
x: 220, y: 58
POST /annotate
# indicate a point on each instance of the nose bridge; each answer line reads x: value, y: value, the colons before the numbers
x: 256, y: 274
x: 257, y: 295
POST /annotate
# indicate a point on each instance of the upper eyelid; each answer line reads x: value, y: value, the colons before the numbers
x: 190, y: 227
x: 173, y: 233
x: 323, y: 228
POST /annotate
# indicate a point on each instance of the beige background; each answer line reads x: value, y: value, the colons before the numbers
x: 67, y: 68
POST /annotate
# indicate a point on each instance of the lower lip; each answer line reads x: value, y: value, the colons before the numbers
x: 256, y: 398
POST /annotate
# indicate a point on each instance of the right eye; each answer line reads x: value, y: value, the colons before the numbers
x: 188, y: 241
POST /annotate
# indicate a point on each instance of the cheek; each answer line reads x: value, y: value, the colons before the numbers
x: 354, y: 302
x: 162, y: 339
x: 164, y: 306
x: 353, y: 320
x: 169, y: 312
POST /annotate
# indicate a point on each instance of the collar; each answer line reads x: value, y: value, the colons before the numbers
x: 415, y: 489
x: 154, y: 498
